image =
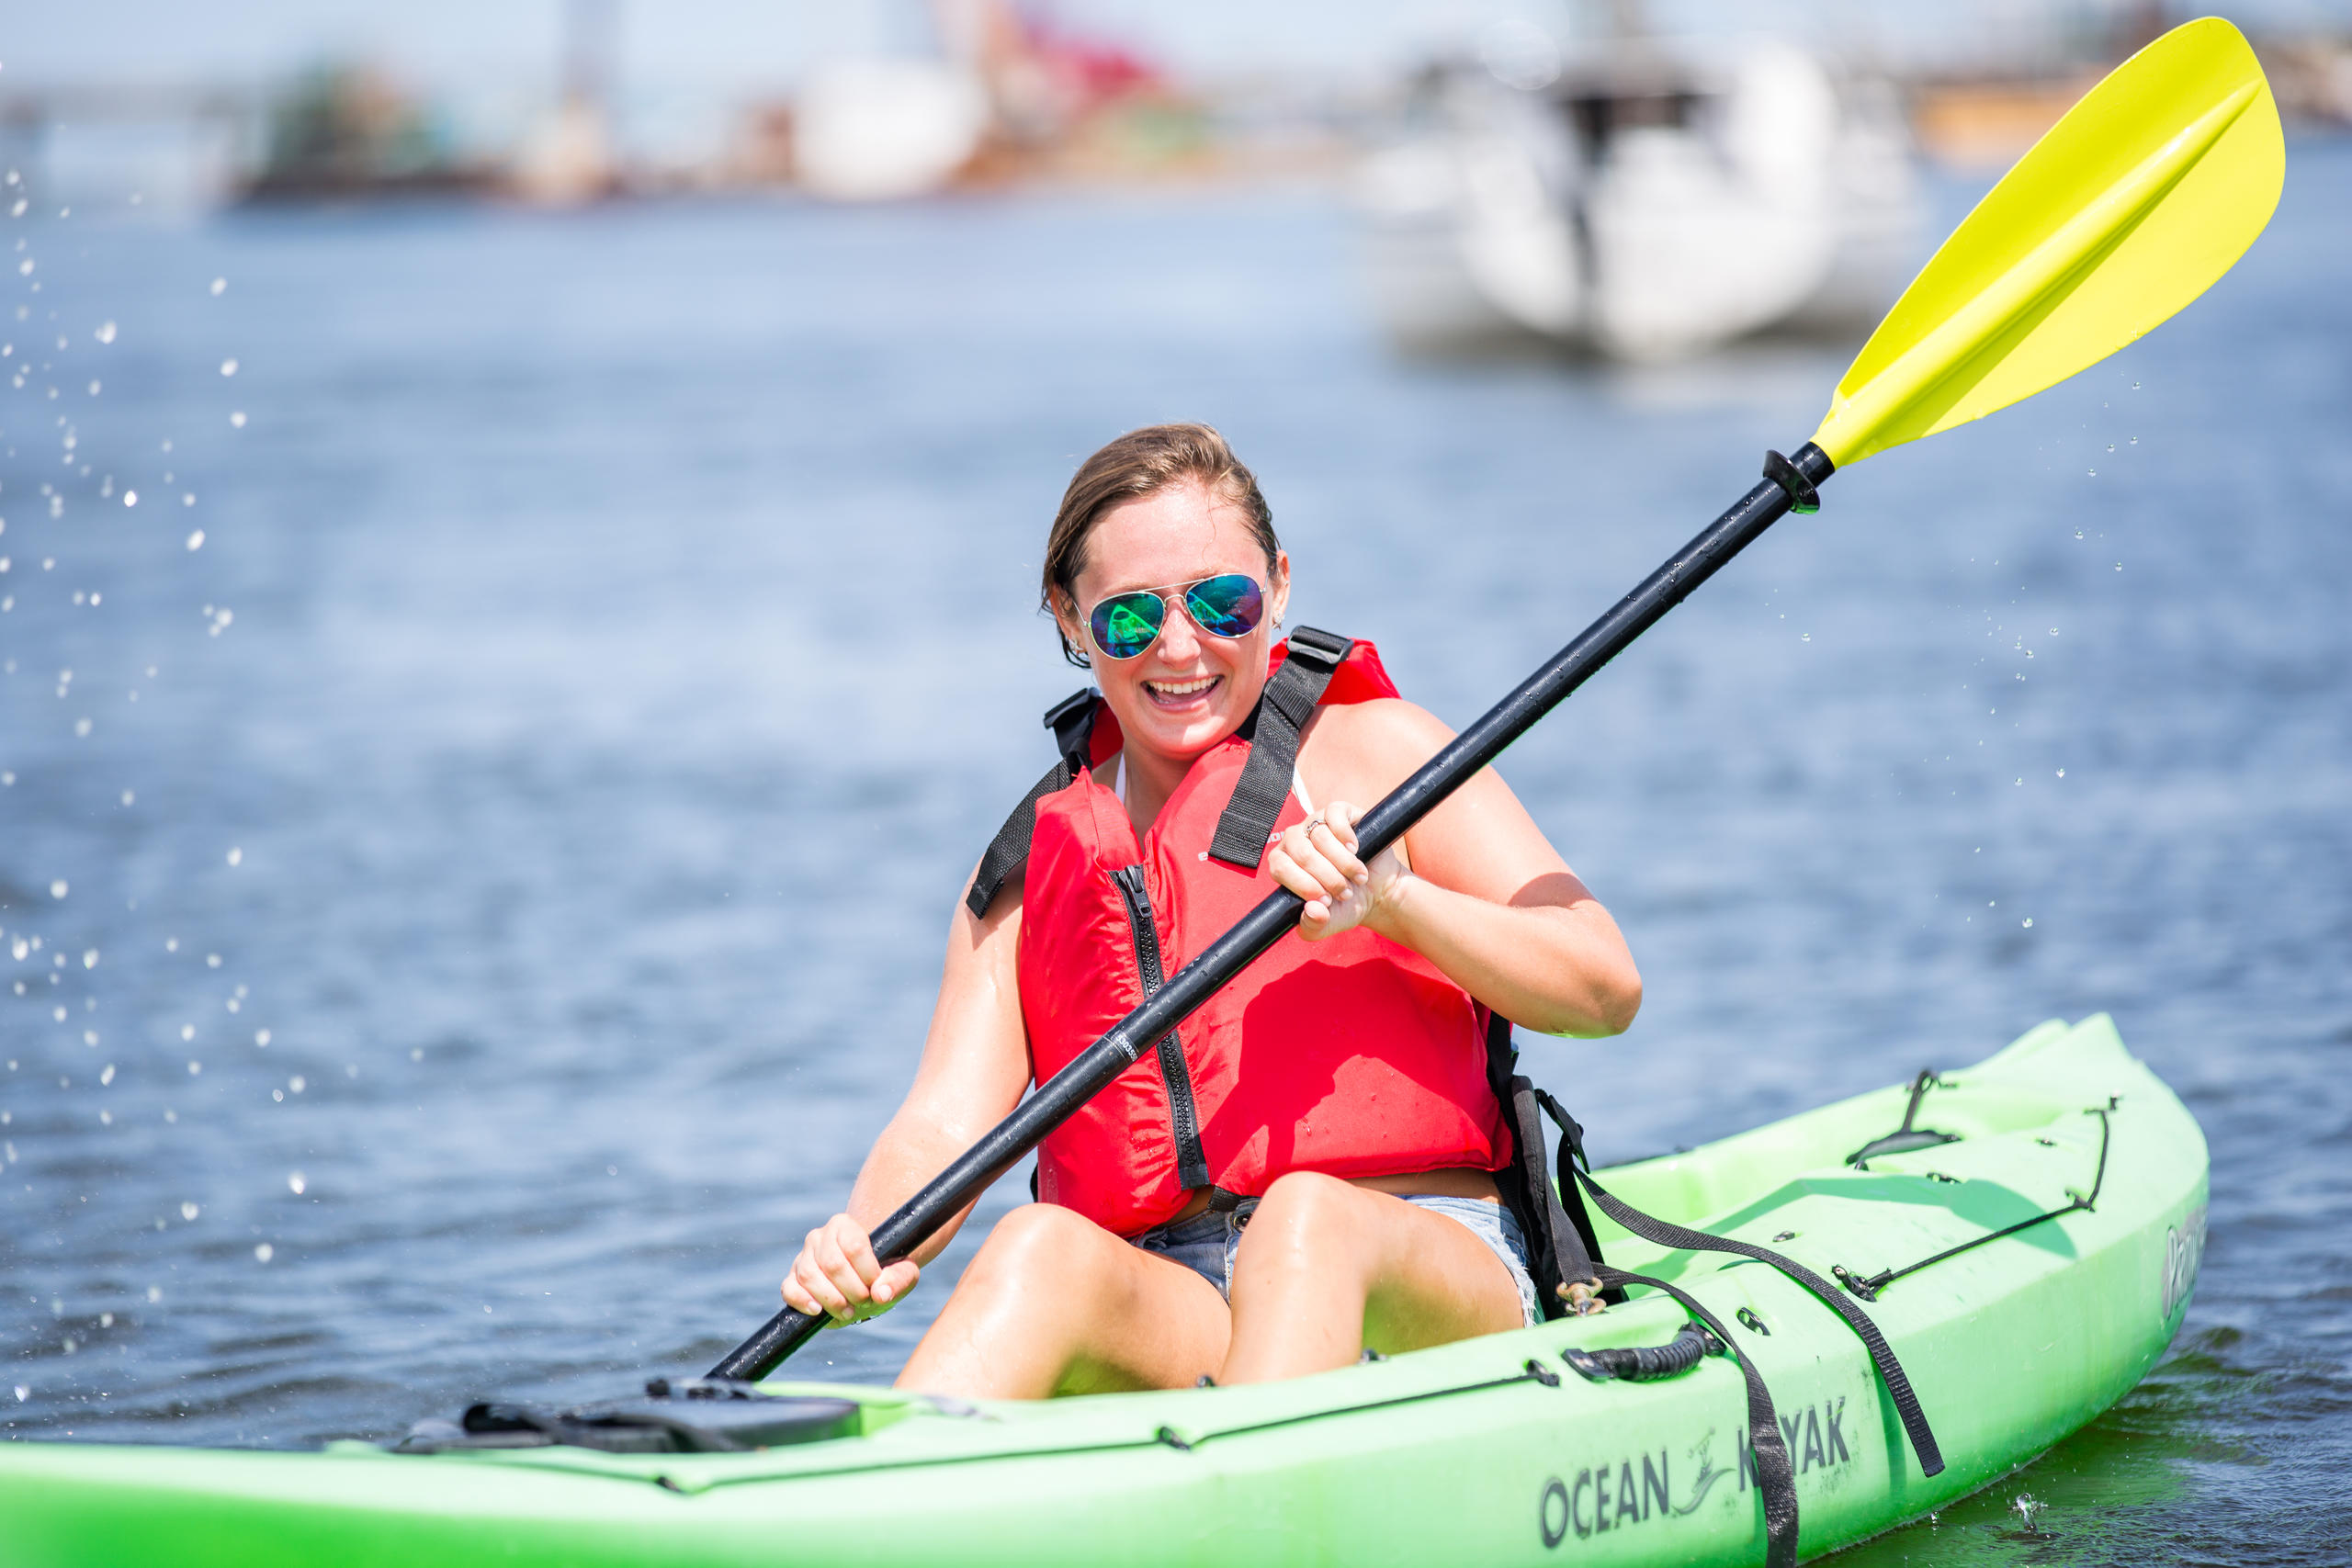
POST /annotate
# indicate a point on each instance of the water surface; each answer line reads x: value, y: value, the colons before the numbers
x: 611, y: 641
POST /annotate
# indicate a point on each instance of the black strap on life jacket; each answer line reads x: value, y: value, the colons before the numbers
x: 1287, y: 703
x: 1563, y: 1253
x: 1271, y: 729
x: 1072, y: 722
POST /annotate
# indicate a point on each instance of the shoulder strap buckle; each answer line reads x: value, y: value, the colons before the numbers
x: 1318, y: 649
x: 1070, y: 718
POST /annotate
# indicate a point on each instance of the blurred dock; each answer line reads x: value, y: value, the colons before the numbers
x: 973, y: 97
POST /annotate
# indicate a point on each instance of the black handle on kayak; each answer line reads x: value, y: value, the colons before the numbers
x: 1788, y: 485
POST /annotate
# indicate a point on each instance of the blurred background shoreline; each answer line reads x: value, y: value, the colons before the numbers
x: 892, y: 98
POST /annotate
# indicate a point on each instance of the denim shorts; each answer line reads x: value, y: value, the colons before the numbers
x: 1207, y: 1241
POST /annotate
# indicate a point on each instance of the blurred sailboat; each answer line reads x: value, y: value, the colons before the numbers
x: 1643, y: 202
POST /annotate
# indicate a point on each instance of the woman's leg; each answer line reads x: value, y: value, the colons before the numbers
x: 1055, y: 1303
x: 1326, y: 1267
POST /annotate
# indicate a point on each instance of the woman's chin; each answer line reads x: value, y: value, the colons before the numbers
x: 1184, y: 732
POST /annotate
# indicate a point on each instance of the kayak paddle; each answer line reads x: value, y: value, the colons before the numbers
x: 2131, y: 206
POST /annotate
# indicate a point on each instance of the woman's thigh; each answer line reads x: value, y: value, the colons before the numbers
x: 1054, y: 1303
x: 1327, y: 1263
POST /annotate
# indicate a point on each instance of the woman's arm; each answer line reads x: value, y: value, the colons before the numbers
x: 975, y: 1066
x: 1478, y: 890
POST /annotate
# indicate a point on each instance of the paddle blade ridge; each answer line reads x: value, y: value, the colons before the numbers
x: 2132, y: 205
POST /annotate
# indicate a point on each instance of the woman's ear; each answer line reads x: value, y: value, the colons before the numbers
x: 1278, y: 590
x: 1065, y: 617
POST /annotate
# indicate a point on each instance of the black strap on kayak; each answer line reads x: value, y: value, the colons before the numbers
x: 1890, y: 1371
x: 1868, y: 1288
x: 1776, y: 1479
x: 1072, y: 722
x: 1284, y: 708
x: 1906, y: 1137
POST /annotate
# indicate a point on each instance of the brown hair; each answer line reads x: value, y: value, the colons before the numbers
x: 1138, y: 464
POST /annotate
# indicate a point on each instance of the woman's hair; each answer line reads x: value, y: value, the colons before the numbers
x: 1141, y: 462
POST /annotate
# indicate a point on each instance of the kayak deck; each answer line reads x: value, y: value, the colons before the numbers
x: 1491, y: 1448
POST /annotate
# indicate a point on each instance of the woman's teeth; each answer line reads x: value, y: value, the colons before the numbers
x: 1177, y: 690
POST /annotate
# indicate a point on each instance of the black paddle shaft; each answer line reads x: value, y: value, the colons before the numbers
x: 1789, y: 483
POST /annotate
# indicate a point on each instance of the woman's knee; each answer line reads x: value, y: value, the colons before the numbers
x: 1303, y: 1213
x: 1040, y: 1247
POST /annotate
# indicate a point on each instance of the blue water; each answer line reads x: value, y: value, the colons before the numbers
x: 611, y: 641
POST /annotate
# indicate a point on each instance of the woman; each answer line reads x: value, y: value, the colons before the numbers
x: 1306, y: 1168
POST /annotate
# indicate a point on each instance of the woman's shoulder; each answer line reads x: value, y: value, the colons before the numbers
x: 1386, y: 736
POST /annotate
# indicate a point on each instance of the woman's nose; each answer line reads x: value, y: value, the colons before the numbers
x: 1179, y: 639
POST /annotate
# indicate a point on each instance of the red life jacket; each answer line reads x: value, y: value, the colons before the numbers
x: 1353, y: 1055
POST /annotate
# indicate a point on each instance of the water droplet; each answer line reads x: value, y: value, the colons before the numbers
x: 278, y: 1095
x: 212, y: 961
x: 228, y: 368
x: 106, y: 1320
x: 294, y: 1183
x: 237, y: 419
x: 189, y: 1211
x: 154, y: 1292
x: 2135, y: 386
x: 2118, y: 565
x: 196, y: 540
x: 171, y: 945
x: 107, y: 1076
x: 221, y: 284
x: 194, y: 1068
x: 1804, y: 637
x: 2135, y: 441
x: 261, y: 1036
x: 131, y: 498
x: 94, y: 388
x: 58, y: 889
x: 297, y: 1083
x: 128, y: 797
x: 82, y: 728
x: 22, y: 1392
x: 2078, y: 532
x: 188, y: 1032
x: 236, y: 857
x: 2028, y: 921
x: 105, y: 333
x: 2061, y: 772
x: 264, y: 1252
x: 2093, y: 473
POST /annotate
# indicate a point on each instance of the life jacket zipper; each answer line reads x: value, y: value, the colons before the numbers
x: 1191, y: 1165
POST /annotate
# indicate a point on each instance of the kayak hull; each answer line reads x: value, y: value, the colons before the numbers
x: 1459, y: 1454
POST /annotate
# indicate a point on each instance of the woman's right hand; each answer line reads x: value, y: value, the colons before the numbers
x: 838, y: 1275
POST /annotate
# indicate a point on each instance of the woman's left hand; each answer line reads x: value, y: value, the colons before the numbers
x: 1317, y: 860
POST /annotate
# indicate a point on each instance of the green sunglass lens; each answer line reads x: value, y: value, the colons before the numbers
x: 1125, y: 626
x: 1230, y: 605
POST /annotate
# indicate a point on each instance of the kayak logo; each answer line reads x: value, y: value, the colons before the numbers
x: 2183, y: 1254
x: 1617, y: 1495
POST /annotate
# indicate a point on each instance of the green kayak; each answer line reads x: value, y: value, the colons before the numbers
x: 1497, y: 1451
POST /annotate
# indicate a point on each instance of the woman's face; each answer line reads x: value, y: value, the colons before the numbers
x: 1189, y: 690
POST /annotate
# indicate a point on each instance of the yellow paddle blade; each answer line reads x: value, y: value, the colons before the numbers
x: 2131, y: 206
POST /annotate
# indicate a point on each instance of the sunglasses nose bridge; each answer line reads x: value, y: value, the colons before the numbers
x: 1176, y: 623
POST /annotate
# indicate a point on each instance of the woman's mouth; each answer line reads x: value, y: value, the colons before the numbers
x: 1189, y: 691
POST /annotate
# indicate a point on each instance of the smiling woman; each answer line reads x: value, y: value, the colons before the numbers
x: 1307, y: 1167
